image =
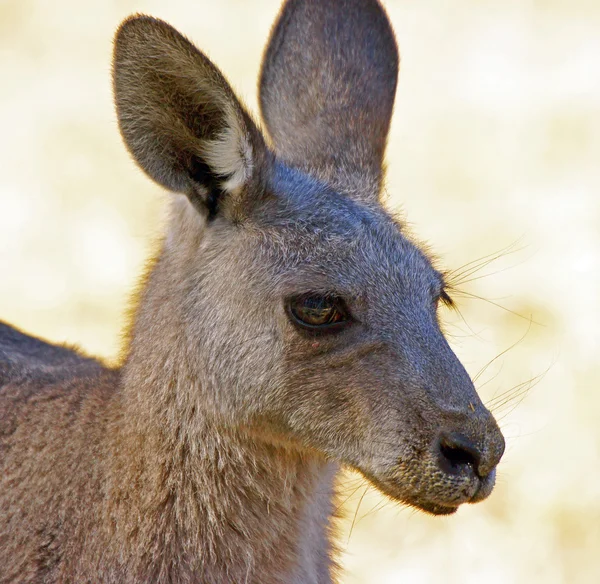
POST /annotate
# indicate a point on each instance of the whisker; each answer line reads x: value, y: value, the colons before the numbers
x: 496, y: 304
x: 498, y: 400
x: 514, y: 393
x: 356, y: 512
x: 519, y: 393
x: 458, y: 275
x: 378, y: 507
x: 341, y: 505
x: 510, y: 348
x: 467, y: 281
x: 456, y: 309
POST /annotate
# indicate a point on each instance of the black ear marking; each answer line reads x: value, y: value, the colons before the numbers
x: 201, y: 174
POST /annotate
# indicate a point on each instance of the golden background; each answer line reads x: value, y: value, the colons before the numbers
x: 495, y: 141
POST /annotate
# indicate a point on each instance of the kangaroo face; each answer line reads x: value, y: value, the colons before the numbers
x: 305, y: 314
x: 380, y: 388
x: 327, y: 322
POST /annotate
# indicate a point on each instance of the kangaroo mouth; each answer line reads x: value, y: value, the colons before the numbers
x: 485, y: 488
x: 472, y: 489
x: 482, y: 489
x: 435, y: 509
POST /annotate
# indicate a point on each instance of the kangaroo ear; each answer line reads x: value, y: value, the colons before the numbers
x: 327, y: 90
x: 180, y: 118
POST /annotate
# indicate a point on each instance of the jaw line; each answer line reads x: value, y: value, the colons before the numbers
x: 435, y: 509
x: 430, y: 508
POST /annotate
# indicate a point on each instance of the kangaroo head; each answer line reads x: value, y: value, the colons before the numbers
x: 302, y: 309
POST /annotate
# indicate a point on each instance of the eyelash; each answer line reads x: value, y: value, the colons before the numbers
x: 445, y: 298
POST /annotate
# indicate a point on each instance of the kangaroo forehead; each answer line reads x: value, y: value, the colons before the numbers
x: 317, y: 232
x: 304, y: 203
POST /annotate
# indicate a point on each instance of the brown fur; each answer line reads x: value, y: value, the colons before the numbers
x: 210, y: 454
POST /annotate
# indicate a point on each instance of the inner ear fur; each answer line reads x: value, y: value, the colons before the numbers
x: 178, y: 116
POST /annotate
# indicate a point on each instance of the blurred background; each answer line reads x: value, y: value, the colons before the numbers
x: 495, y: 147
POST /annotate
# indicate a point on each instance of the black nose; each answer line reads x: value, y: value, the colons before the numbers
x: 457, y: 452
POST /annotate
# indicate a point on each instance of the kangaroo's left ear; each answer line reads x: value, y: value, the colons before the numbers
x: 181, y: 120
x: 327, y: 90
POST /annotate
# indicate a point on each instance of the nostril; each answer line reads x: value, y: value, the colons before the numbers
x: 456, y: 451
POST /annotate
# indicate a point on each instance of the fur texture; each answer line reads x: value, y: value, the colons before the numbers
x: 209, y: 455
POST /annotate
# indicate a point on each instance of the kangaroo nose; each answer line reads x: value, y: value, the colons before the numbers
x: 456, y: 452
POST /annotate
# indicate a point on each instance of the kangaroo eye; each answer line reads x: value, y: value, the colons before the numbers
x: 313, y: 311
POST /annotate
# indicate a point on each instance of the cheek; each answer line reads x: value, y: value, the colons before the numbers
x: 236, y: 345
x: 244, y: 374
x: 325, y: 407
x: 358, y: 410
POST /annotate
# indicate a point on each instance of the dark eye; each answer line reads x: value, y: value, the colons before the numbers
x: 318, y: 312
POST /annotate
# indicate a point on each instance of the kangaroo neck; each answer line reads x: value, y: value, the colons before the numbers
x: 214, y: 503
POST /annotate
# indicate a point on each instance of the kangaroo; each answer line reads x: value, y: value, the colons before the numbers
x: 287, y: 326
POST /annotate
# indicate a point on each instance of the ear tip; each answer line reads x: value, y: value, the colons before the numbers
x: 133, y: 22
x: 138, y: 36
x: 139, y: 24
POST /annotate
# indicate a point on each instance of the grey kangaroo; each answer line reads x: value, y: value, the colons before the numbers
x: 288, y: 325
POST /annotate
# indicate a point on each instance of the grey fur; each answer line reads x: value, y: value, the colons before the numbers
x: 209, y: 455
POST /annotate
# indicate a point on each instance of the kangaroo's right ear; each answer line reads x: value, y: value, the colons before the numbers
x: 181, y: 120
